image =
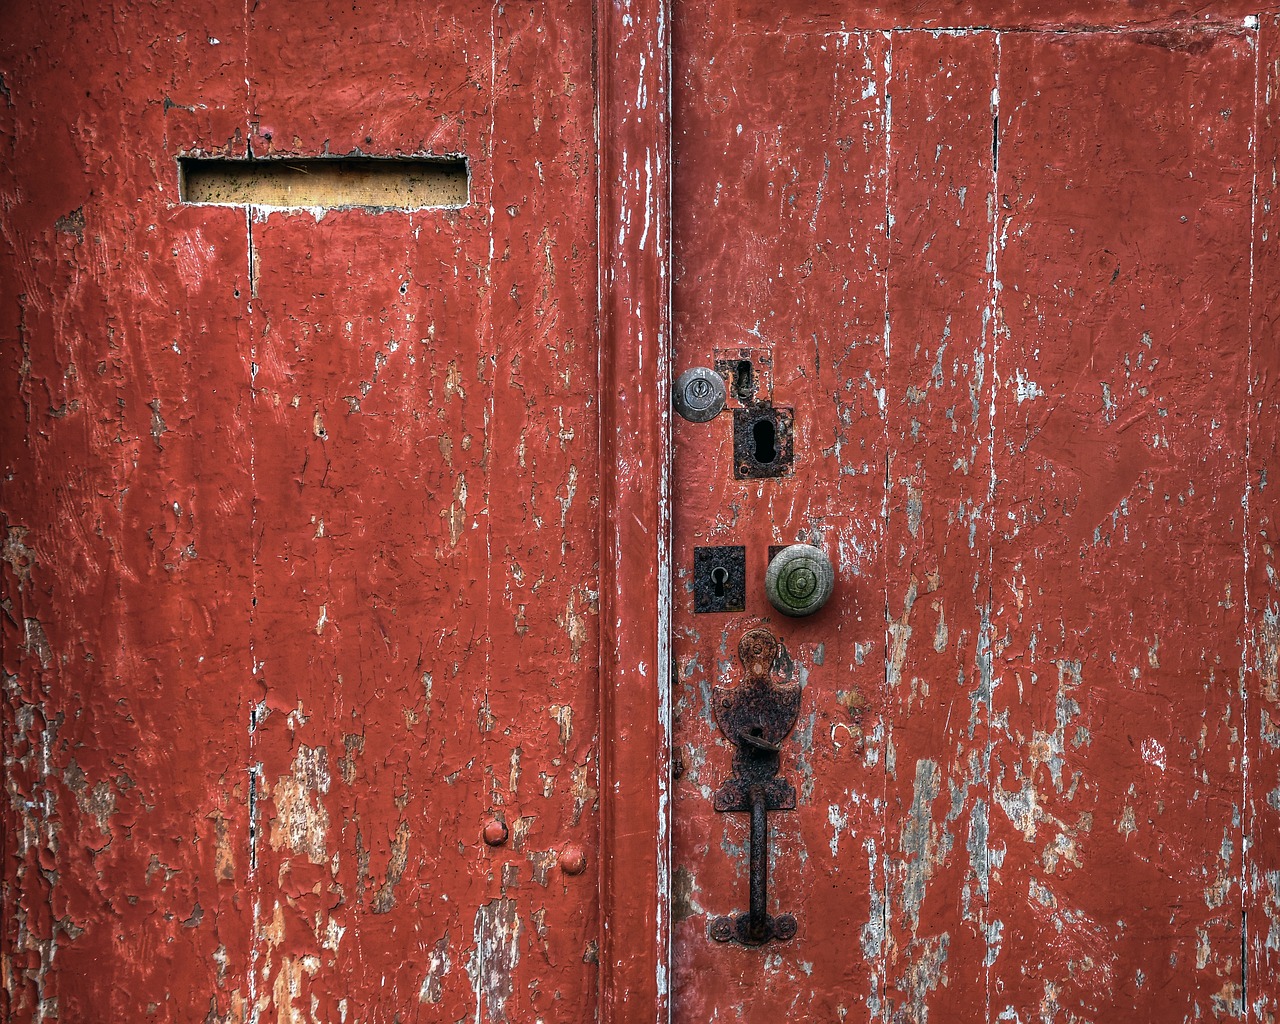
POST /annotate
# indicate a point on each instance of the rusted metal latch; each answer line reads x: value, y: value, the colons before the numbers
x: 757, y: 716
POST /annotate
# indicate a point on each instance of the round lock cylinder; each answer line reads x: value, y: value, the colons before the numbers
x: 699, y: 394
x: 799, y: 579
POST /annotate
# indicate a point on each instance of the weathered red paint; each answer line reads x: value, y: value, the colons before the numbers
x: 335, y: 547
x: 778, y: 253
x: 1261, y: 712
x: 300, y: 511
x: 634, y: 168
x: 1119, y: 550
x: 1012, y: 283
x: 938, y: 420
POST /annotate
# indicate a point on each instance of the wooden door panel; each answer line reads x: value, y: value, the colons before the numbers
x: 780, y: 248
x: 111, y: 414
x: 363, y: 532
x: 1125, y: 185
x: 1068, y: 281
x: 302, y: 524
x: 1261, y: 860
x: 303, y: 513
x: 938, y: 527
x: 457, y: 398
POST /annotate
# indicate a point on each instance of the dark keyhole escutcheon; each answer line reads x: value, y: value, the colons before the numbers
x: 756, y: 715
x: 763, y: 441
x: 720, y: 578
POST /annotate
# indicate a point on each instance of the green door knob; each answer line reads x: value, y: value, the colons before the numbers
x: 799, y: 579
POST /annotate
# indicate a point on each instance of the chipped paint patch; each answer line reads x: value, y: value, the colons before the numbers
x: 438, y: 967
x: 494, y: 959
x: 301, y: 822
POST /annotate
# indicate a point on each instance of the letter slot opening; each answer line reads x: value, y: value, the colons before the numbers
x: 333, y: 183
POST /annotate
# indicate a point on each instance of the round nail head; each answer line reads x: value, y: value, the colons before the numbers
x: 495, y: 832
x: 573, y: 859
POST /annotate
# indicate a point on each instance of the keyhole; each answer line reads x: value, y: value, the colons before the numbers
x: 744, y: 382
x: 719, y: 577
x: 766, y: 441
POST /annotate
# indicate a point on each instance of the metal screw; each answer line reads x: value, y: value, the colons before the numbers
x: 722, y: 929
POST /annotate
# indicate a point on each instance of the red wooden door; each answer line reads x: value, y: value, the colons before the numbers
x: 335, y: 541
x: 1015, y: 280
x: 300, y: 521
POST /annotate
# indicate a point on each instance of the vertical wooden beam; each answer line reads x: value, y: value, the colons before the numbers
x: 939, y: 525
x: 1260, y: 983
x: 633, y: 97
x: 1124, y: 227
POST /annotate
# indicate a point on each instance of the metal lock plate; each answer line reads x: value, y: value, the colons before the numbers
x: 742, y: 376
x: 720, y: 579
x: 757, y: 715
x: 762, y: 442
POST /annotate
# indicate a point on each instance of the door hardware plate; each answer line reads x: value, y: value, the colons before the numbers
x: 720, y: 579
x: 747, y: 373
x: 777, y: 928
x: 762, y: 442
x: 756, y: 715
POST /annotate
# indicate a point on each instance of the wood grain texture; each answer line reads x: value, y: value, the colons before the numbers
x: 1261, y: 691
x: 780, y: 235
x: 335, y: 541
x: 635, y: 527
x: 1125, y: 186
x: 941, y: 342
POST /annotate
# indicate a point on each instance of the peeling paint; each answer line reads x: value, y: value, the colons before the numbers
x: 494, y: 958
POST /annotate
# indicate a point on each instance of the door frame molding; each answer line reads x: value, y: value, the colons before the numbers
x: 633, y: 143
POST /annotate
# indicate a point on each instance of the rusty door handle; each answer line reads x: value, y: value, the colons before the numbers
x: 757, y: 716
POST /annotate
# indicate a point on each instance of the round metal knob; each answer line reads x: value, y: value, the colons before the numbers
x: 699, y: 394
x: 799, y: 579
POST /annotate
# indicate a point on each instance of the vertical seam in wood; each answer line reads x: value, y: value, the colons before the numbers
x: 633, y: 281
x: 1247, y: 644
x: 988, y: 625
x: 254, y: 768
x: 885, y: 862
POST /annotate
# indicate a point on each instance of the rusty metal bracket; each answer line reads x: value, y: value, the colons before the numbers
x: 757, y: 715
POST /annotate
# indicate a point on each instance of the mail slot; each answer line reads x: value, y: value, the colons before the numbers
x: 336, y: 183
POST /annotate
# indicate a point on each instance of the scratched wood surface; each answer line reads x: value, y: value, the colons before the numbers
x: 303, y: 528
x: 299, y: 523
x: 938, y: 468
x: 1048, y: 295
x: 780, y: 254
x: 1125, y: 179
x: 1261, y: 691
